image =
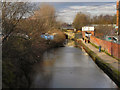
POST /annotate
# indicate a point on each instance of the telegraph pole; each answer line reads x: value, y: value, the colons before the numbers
x: 118, y: 18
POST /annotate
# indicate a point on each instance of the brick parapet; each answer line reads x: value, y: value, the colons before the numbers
x: 112, y: 48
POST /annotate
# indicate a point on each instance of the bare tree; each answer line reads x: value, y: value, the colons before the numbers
x: 47, y: 13
x: 12, y: 13
x: 102, y: 31
x: 104, y: 19
x: 80, y: 20
x: 42, y: 21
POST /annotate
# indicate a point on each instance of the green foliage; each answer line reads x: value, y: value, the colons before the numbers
x: 103, y: 51
x: 94, y: 45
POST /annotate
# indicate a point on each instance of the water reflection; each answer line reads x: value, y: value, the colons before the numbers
x: 68, y: 67
x: 70, y: 43
x: 42, y: 71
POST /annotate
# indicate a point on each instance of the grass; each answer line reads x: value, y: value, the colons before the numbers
x: 94, y: 45
x: 106, y: 67
x: 104, y: 51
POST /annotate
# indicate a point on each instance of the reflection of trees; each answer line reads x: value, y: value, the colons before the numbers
x: 42, y: 75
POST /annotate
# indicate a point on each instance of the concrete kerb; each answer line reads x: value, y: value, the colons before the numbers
x: 113, y: 73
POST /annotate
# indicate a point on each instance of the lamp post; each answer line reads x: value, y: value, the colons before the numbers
x: 118, y: 18
x: 118, y: 22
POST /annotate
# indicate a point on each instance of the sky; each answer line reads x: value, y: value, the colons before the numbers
x: 66, y: 12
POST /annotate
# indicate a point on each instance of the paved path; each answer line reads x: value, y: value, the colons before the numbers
x: 108, y: 59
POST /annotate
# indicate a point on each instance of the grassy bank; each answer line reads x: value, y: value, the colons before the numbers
x: 107, y: 68
x: 103, y: 50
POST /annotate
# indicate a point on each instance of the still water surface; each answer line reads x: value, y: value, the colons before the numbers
x: 68, y: 67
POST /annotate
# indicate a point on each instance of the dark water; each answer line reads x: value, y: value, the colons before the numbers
x: 68, y: 67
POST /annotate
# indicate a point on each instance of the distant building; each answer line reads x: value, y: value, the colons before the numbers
x: 68, y: 29
x: 87, y: 31
x: 95, y: 25
x: 115, y: 38
x: 112, y: 38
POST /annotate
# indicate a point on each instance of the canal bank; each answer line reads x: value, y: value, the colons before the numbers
x: 20, y: 54
x: 108, y: 64
x: 68, y: 67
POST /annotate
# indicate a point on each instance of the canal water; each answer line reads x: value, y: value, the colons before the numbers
x: 68, y: 67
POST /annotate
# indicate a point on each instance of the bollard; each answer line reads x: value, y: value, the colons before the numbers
x: 99, y: 48
x: 85, y: 40
x: 88, y: 41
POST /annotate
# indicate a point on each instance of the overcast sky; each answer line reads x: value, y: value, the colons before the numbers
x: 67, y: 13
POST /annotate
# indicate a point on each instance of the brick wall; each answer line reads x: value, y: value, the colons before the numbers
x: 119, y: 51
x: 110, y: 47
x: 83, y: 33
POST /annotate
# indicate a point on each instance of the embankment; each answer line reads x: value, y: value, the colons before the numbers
x: 18, y: 56
x: 107, y: 68
x: 111, y: 48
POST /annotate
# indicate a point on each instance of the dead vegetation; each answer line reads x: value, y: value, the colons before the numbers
x: 22, y: 44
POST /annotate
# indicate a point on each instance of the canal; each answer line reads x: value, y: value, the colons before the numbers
x: 68, y: 67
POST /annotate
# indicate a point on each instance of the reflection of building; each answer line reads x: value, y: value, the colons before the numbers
x: 87, y: 31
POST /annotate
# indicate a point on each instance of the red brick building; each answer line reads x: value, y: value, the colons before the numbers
x: 87, y: 31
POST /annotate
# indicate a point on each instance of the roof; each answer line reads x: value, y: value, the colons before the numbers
x: 88, y: 28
